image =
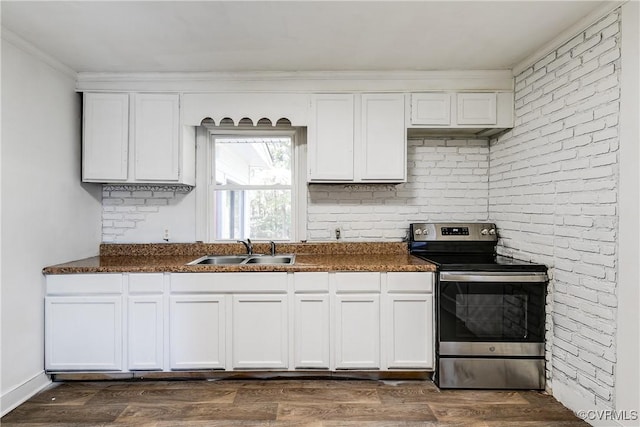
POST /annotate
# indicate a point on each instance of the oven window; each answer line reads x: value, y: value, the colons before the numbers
x: 491, y: 316
x: 511, y: 312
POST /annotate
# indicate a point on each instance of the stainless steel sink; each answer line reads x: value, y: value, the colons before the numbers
x: 219, y: 259
x: 285, y: 259
x: 268, y: 259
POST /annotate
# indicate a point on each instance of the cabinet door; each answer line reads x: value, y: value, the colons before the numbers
x: 476, y: 109
x: 105, y: 137
x: 311, y: 331
x: 384, y: 137
x: 331, y: 137
x: 146, y: 332
x: 431, y: 109
x: 83, y: 333
x: 197, y: 331
x: 409, y: 336
x: 156, y: 137
x: 259, y: 331
x: 357, y: 331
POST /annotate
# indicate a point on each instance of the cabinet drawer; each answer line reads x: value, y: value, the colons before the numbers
x: 229, y: 282
x: 311, y: 282
x: 66, y: 284
x: 357, y: 282
x: 410, y: 282
x: 146, y: 283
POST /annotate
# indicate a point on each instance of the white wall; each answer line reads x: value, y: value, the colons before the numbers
x: 48, y: 216
x: 627, y: 393
x: 553, y: 192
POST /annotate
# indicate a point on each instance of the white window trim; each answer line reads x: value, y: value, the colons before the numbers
x: 204, y: 202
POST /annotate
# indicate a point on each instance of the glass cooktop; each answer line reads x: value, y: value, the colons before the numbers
x: 479, y: 262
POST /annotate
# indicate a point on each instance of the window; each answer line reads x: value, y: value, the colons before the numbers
x: 255, y: 187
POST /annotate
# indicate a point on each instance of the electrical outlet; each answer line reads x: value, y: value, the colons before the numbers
x: 165, y: 234
x: 338, y: 233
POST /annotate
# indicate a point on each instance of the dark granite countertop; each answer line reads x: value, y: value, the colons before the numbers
x: 147, y: 258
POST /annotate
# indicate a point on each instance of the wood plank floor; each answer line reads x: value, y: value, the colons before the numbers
x: 284, y: 402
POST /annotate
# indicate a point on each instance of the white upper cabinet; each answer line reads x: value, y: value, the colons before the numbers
x: 476, y: 108
x: 105, y: 137
x: 156, y: 136
x: 331, y: 137
x: 459, y: 110
x: 431, y: 109
x: 357, y: 138
x: 136, y: 138
x: 384, y: 137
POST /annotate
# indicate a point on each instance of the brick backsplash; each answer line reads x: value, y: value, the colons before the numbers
x: 447, y: 180
x: 553, y: 194
x: 127, y: 207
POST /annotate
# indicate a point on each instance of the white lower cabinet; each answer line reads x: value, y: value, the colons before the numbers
x: 145, y: 322
x: 239, y: 321
x: 259, y: 332
x: 145, y: 332
x: 312, y: 321
x: 83, y: 333
x: 357, y: 330
x: 197, y: 331
x: 409, y: 321
x: 357, y: 320
x: 410, y: 331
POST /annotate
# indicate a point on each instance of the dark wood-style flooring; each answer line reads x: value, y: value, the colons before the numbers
x: 284, y: 402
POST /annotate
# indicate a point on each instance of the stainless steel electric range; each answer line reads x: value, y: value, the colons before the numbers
x: 490, y: 309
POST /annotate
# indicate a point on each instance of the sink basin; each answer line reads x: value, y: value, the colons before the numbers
x: 268, y: 259
x: 286, y: 259
x: 219, y: 259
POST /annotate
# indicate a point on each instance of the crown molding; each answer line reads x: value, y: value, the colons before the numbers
x: 567, y: 35
x: 325, y: 81
x: 20, y: 43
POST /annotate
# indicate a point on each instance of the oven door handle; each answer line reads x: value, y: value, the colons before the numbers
x: 455, y: 276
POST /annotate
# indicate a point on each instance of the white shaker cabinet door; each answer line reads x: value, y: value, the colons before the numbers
x: 331, y: 138
x: 431, y: 108
x: 311, y: 327
x: 260, y: 331
x: 83, y: 333
x: 197, y: 331
x: 105, y: 137
x: 357, y: 331
x: 384, y: 137
x: 409, y: 336
x: 477, y: 108
x: 145, y: 332
x: 156, y: 131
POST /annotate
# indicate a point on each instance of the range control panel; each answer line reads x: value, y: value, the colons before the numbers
x: 484, y: 232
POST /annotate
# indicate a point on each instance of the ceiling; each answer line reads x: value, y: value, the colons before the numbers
x: 227, y: 36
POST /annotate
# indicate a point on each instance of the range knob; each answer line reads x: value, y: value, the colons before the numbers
x: 484, y: 231
x: 492, y: 231
x: 418, y: 231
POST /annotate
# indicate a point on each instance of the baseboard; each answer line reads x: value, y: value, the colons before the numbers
x: 583, y: 406
x: 20, y: 394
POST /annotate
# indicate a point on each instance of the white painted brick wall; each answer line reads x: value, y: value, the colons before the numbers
x: 553, y: 193
x: 447, y: 180
x: 131, y: 213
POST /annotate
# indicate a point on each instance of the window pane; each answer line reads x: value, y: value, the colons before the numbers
x: 254, y: 214
x: 253, y: 161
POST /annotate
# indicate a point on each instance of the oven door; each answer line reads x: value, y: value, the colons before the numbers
x: 491, y: 314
